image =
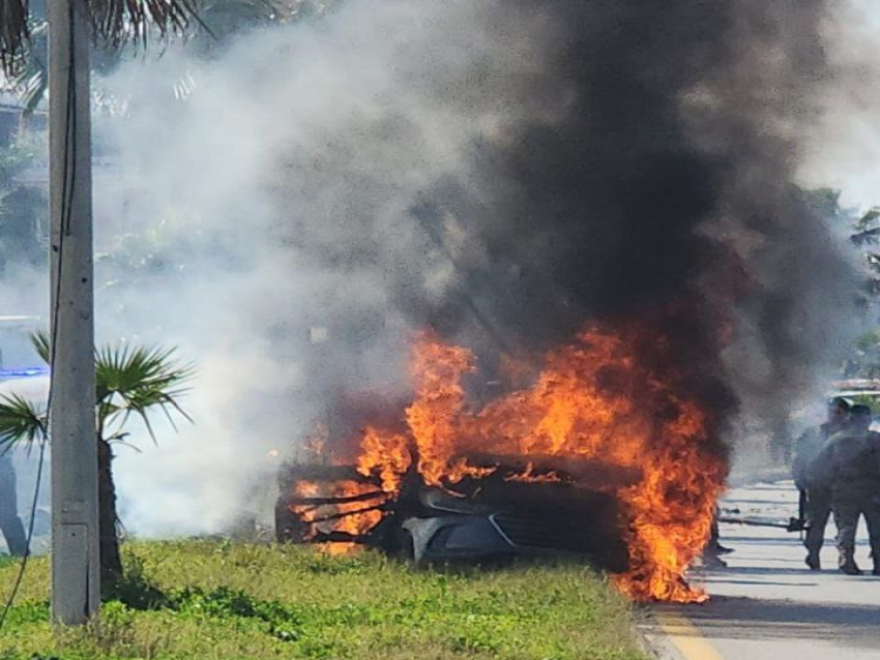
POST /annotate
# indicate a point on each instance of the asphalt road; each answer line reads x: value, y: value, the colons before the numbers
x: 766, y: 605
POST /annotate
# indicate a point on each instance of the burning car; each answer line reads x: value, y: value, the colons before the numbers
x: 605, y: 451
x: 487, y: 520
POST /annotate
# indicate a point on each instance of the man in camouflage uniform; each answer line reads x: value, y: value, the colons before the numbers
x: 10, y: 523
x: 816, y: 495
x: 853, y: 460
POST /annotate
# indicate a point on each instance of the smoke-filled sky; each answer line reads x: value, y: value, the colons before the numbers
x: 845, y: 151
x: 502, y: 171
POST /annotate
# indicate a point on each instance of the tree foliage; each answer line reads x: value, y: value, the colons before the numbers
x: 113, y: 21
x: 219, y: 22
x: 863, y: 230
x: 20, y: 421
x: 866, y: 236
x: 23, y: 207
x: 128, y: 380
x: 135, y: 381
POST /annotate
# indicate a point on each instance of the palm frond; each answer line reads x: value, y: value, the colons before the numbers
x: 114, y: 21
x: 40, y: 342
x: 129, y: 381
x: 20, y: 421
x: 118, y: 21
x: 14, y: 32
x: 29, y: 78
x: 123, y: 443
x: 33, y: 86
x: 136, y: 381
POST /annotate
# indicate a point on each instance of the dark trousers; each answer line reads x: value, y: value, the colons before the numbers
x: 817, y: 509
x: 10, y: 523
x: 846, y: 516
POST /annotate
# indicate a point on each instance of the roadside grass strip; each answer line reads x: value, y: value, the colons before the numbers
x: 210, y: 599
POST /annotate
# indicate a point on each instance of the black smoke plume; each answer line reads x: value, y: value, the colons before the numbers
x: 653, y: 179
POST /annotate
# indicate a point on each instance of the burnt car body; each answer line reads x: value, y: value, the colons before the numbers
x: 532, y: 520
x: 487, y: 520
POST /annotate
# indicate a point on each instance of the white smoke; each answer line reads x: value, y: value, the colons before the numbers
x: 844, y: 148
x: 281, y: 185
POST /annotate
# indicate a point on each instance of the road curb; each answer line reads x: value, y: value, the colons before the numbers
x: 667, y: 634
x: 650, y: 638
x: 642, y: 618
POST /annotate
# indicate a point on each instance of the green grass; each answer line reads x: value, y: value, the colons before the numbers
x: 209, y: 599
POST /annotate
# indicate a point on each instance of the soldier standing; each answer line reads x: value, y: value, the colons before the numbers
x: 10, y: 523
x: 815, y: 493
x: 853, y: 459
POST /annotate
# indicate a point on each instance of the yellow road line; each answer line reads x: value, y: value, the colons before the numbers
x: 684, y: 634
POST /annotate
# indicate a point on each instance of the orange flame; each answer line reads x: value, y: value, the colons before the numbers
x: 595, y: 399
x: 355, y: 517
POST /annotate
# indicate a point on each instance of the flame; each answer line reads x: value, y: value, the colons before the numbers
x: 365, y: 516
x: 434, y: 417
x: 356, y: 517
x: 599, y: 398
x: 385, y: 454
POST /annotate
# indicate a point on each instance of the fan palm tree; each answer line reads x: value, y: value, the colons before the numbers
x: 129, y: 382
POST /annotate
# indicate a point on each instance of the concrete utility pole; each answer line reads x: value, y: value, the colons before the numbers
x: 75, y: 548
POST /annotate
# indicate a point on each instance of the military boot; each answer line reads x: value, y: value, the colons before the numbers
x: 848, y: 564
x: 813, y: 561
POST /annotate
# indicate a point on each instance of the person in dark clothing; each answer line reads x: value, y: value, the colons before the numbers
x: 815, y: 491
x: 851, y: 460
x: 10, y: 523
